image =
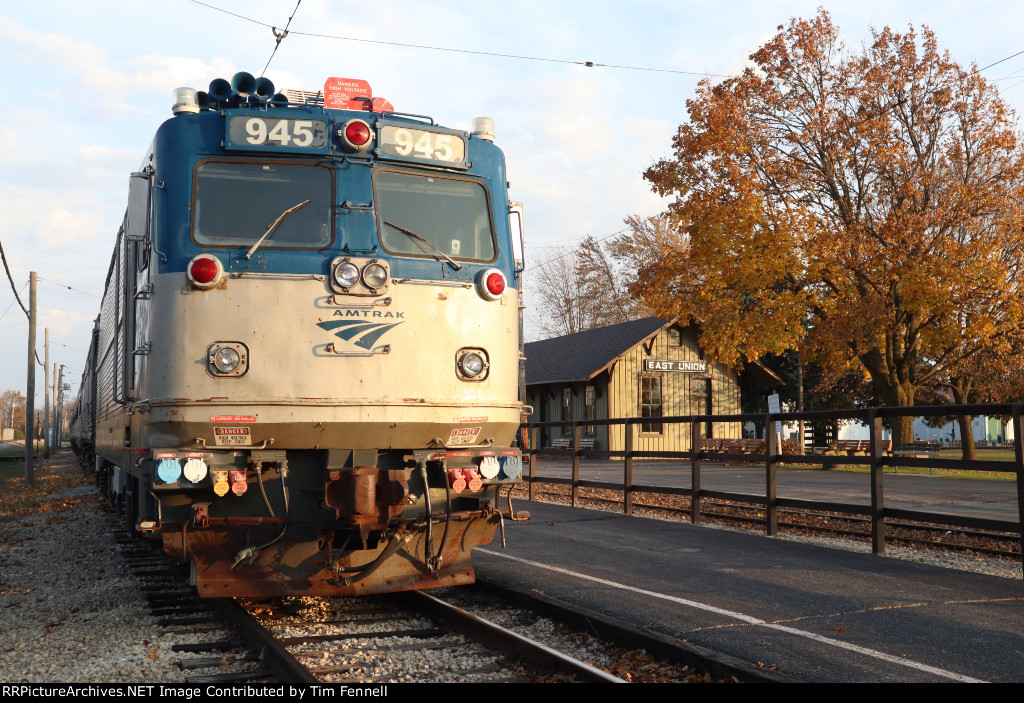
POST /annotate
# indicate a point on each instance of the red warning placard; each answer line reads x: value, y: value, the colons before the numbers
x: 347, y: 94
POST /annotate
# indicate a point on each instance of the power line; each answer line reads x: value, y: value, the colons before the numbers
x: 521, y: 57
x: 8, y: 270
x: 12, y: 304
x: 38, y: 277
x: 572, y: 251
x: 998, y: 62
x: 279, y: 36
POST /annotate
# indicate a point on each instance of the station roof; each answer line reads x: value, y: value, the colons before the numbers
x: 581, y: 356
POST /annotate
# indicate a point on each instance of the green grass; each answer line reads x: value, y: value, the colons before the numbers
x: 11, y: 469
x: 983, y: 455
x: 17, y: 448
x: 15, y: 469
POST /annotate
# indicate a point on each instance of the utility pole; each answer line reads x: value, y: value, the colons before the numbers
x: 30, y: 391
x: 46, y: 397
x: 59, y: 423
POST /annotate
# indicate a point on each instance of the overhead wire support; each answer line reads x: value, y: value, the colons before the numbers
x: 278, y: 36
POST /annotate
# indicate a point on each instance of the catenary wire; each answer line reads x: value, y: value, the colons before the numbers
x: 521, y: 57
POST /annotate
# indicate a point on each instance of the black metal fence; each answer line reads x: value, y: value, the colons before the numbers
x: 876, y: 460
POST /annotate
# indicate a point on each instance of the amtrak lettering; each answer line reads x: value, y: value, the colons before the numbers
x: 368, y: 313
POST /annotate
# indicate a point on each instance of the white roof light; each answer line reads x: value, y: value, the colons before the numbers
x: 185, y: 100
x: 483, y: 128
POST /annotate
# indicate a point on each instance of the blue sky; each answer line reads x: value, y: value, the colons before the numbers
x: 86, y: 84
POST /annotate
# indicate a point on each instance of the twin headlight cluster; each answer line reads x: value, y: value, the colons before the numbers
x: 357, y: 277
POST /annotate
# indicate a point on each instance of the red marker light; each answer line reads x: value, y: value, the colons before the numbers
x: 496, y: 284
x: 491, y: 284
x: 204, y: 270
x: 357, y: 132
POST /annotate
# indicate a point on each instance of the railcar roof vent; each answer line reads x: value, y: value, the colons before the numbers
x: 302, y: 96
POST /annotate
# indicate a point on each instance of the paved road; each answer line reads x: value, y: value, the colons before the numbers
x: 984, y: 499
x: 814, y: 613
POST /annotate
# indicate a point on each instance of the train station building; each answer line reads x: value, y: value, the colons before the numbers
x: 645, y: 368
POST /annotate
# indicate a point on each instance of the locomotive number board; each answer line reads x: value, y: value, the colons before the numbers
x: 445, y: 148
x: 260, y: 133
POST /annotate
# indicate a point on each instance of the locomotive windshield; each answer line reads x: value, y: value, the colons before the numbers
x: 451, y: 215
x: 236, y: 202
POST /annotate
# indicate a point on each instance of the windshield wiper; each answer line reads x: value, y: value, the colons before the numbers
x: 412, y: 234
x: 270, y: 230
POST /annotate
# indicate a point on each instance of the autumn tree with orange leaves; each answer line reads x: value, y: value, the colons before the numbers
x: 864, y: 206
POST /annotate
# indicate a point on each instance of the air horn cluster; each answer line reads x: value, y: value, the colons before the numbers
x: 242, y: 90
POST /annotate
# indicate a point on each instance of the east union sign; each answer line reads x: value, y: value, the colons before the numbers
x: 683, y: 366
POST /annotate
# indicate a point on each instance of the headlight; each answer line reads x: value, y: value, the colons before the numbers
x: 346, y: 274
x: 472, y: 364
x: 226, y: 360
x: 375, y: 276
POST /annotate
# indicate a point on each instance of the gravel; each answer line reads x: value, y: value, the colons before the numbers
x: 72, y: 611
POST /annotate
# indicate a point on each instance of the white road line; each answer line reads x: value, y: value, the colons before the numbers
x: 747, y: 619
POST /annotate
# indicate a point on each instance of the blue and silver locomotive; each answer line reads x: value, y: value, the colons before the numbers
x: 305, y: 374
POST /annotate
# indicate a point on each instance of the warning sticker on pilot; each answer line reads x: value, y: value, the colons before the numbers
x: 232, y: 436
x: 463, y: 435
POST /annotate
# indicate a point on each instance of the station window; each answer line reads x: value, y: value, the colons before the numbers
x: 650, y: 403
x: 589, y: 407
x: 675, y: 337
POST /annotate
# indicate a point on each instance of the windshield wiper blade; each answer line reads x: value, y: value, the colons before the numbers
x: 270, y: 230
x: 457, y: 267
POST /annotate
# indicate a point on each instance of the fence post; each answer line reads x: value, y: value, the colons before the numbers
x: 575, y: 463
x: 1018, y: 460
x: 770, y: 484
x: 627, y: 471
x: 877, y: 492
x: 694, y: 474
x: 533, y: 460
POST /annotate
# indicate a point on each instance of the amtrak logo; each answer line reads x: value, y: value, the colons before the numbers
x: 362, y: 333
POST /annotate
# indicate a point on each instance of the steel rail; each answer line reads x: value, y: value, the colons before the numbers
x: 282, y: 664
x: 499, y: 638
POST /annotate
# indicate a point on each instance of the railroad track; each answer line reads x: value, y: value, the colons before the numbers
x: 412, y: 637
x: 929, y: 535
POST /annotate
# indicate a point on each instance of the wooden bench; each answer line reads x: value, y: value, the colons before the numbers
x: 713, y: 444
x: 566, y: 443
x: 917, y: 450
x: 854, y: 447
x: 730, y: 445
x: 858, y: 447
